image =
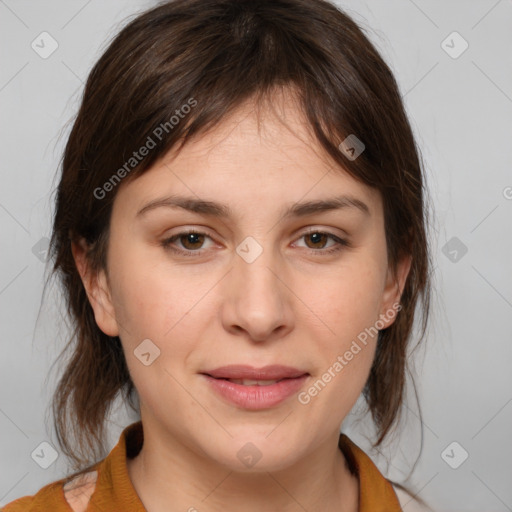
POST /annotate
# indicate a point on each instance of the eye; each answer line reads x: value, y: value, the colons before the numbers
x: 193, y: 240
x: 318, y: 238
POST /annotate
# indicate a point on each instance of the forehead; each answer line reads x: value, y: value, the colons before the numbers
x: 264, y: 154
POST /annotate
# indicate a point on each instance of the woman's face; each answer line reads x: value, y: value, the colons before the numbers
x: 252, y: 288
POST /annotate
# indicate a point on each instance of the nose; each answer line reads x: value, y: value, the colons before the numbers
x: 257, y: 299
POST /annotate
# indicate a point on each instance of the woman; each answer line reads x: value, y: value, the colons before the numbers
x: 240, y: 230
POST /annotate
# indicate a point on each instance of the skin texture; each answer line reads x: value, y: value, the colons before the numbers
x: 291, y: 306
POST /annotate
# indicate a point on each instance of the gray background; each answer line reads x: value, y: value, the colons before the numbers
x: 460, y: 107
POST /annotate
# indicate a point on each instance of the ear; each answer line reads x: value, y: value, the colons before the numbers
x: 395, y: 283
x: 97, y: 289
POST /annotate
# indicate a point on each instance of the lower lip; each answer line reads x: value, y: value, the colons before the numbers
x: 256, y: 397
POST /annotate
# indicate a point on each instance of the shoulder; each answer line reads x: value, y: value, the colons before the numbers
x: 409, y: 501
x: 45, y: 499
x: 58, y: 496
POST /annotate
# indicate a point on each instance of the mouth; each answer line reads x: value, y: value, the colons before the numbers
x: 272, y: 373
x: 249, y: 382
x: 255, y: 388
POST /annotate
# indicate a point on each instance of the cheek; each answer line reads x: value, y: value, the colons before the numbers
x: 146, y: 295
x: 159, y: 304
x: 347, y: 300
x: 346, y: 307
x: 153, y: 306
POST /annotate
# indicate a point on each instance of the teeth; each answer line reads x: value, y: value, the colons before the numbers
x: 247, y: 382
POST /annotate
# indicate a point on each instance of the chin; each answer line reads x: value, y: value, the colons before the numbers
x: 252, y: 452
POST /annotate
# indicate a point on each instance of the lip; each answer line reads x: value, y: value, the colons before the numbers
x: 254, y: 397
x: 272, y: 372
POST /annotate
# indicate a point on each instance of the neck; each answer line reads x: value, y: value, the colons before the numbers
x: 171, y: 477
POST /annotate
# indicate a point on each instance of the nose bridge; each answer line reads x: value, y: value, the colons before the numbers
x: 255, y: 269
x: 256, y: 297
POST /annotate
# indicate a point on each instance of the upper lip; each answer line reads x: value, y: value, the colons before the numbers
x: 272, y: 372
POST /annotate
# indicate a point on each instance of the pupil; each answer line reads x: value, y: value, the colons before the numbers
x: 191, y: 238
x: 316, y: 237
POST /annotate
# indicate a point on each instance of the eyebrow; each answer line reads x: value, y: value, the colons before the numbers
x: 219, y: 210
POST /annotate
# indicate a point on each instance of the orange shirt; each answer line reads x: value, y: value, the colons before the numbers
x: 114, y: 491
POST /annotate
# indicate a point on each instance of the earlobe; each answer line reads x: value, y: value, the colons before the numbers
x: 395, y: 284
x: 97, y: 289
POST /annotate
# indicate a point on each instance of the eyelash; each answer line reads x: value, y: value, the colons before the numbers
x: 341, y: 243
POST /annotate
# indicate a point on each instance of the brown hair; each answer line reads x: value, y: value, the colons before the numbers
x: 220, y: 53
